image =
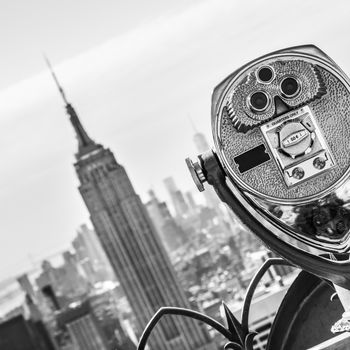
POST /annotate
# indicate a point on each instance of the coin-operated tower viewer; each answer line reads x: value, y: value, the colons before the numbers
x: 281, y: 129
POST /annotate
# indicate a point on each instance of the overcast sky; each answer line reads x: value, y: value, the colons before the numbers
x: 135, y: 71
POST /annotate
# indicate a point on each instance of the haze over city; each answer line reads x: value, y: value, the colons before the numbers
x: 135, y: 73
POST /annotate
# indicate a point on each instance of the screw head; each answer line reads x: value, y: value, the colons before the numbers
x: 298, y: 173
x: 319, y: 163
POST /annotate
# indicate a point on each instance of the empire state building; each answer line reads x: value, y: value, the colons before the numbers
x: 131, y: 243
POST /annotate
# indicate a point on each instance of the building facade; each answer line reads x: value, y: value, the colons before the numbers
x: 132, y: 244
x: 177, y: 198
x: 66, y: 280
x: 91, y: 256
x: 83, y: 328
x: 19, y: 333
x: 171, y: 234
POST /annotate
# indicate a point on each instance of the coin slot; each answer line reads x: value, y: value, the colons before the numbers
x: 252, y: 158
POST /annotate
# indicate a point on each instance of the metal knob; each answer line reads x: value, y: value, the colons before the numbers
x: 196, y: 173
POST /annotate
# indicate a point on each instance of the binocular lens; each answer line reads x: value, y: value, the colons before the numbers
x: 259, y: 101
x: 265, y: 74
x: 290, y: 87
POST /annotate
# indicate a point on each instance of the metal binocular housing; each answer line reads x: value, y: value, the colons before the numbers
x: 281, y: 161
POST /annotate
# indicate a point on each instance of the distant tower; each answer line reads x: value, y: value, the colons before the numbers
x: 131, y: 243
x: 191, y: 201
x: 38, y: 317
x: 91, y: 256
x: 26, y: 286
x: 176, y: 196
x: 201, y: 142
x: 170, y: 232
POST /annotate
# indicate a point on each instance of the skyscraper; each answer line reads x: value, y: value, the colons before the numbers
x: 131, y: 243
x: 200, y: 142
x: 18, y: 333
x: 91, y: 256
x: 171, y: 234
x: 83, y: 327
x: 66, y: 280
x: 40, y: 313
x: 177, y: 198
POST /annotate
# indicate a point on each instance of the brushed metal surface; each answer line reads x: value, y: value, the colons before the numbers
x: 312, y: 211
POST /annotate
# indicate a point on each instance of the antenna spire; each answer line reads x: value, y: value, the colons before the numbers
x: 192, y: 124
x: 60, y: 89
x: 85, y: 143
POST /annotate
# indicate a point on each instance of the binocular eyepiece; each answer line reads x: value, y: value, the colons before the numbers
x: 259, y: 101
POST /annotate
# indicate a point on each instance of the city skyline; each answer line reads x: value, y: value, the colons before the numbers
x: 95, y: 187
x: 183, y: 52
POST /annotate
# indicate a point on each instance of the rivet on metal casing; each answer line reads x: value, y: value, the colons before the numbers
x: 196, y: 173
